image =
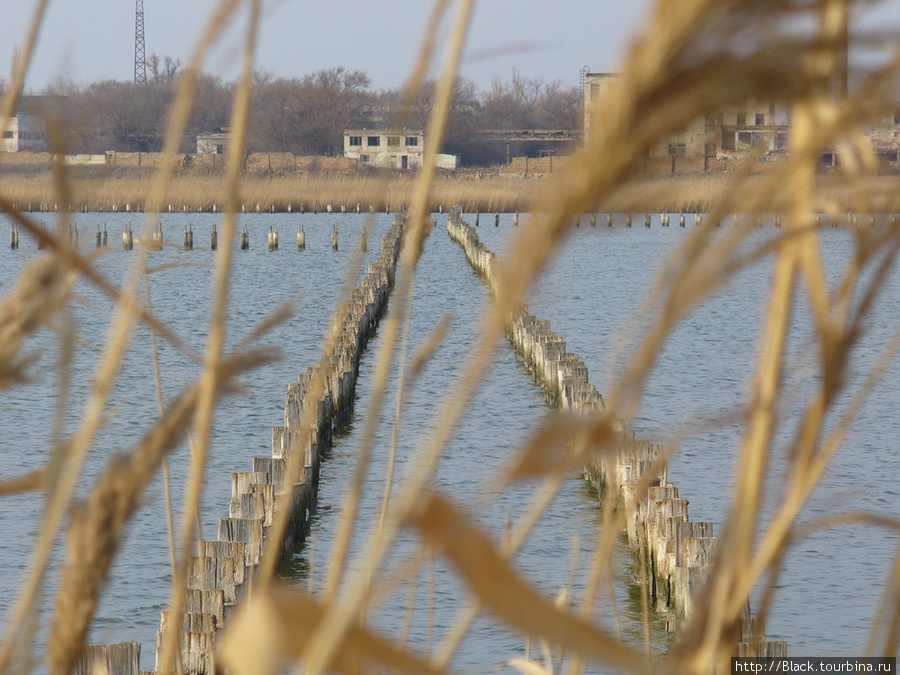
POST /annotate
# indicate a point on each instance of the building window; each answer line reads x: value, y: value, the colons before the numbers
x: 8, y: 134
x: 741, y: 119
x: 373, y: 141
x: 220, y: 149
x: 412, y: 141
x: 760, y: 119
x: 393, y: 140
x: 355, y: 141
x: 679, y: 149
x: 364, y: 159
x: 595, y: 91
x: 713, y: 122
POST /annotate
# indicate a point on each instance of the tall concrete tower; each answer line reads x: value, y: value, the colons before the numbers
x: 140, y: 62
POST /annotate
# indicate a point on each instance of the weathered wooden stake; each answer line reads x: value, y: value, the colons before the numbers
x: 214, y: 239
x: 334, y: 238
x: 301, y: 238
x: 245, y: 239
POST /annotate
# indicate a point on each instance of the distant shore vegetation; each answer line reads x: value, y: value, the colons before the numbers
x: 302, y: 116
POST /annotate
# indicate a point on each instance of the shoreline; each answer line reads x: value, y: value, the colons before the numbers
x: 104, y: 189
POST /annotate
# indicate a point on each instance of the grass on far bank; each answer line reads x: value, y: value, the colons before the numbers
x: 96, y: 188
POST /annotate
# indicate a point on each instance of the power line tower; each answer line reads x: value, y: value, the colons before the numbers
x: 140, y: 61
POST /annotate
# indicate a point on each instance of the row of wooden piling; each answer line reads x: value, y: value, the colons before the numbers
x: 213, y: 207
x: 224, y: 569
x: 677, y: 553
x: 157, y: 240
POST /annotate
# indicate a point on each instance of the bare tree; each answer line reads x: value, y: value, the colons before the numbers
x: 163, y: 70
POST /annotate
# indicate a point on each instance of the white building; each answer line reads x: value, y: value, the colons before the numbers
x: 385, y: 149
x: 215, y: 143
x: 24, y: 133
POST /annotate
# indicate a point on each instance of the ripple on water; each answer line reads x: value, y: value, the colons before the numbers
x: 590, y: 293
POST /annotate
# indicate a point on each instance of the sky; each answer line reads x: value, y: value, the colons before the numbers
x: 91, y: 40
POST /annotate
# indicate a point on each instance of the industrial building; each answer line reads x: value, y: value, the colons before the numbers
x: 391, y: 149
x: 719, y: 136
x: 24, y: 132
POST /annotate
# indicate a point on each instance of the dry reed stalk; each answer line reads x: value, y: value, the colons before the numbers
x: 69, y: 257
x: 161, y: 406
x: 41, y: 292
x: 496, y: 585
x: 666, y: 68
x: 210, y: 376
x: 275, y: 627
x: 20, y: 65
x: 340, y: 615
x: 95, y: 533
x: 418, y: 230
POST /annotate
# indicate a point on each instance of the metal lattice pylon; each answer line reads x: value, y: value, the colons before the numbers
x: 140, y: 61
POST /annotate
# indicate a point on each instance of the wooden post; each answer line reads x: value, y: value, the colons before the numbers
x: 214, y: 238
x: 245, y: 239
x: 334, y: 238
x: 124, y: 658
x: 14, y: 237
x: 364, y: 244
x: 301, y: 238
x: 127, y: 238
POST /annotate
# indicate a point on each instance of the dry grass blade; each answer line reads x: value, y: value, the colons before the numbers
x: 210, y: 377
x: 527, y: 667
x: 429, y: 347
x: 275, y: 626
x: 41, y: 291
x: 97, y: 527
x: 29, y: 482
x: 506, y: 594
x: 563, y: 443
x: 340, y: 617
x: 70, y: 258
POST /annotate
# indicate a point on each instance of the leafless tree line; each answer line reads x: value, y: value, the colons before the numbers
x: 304, y: 116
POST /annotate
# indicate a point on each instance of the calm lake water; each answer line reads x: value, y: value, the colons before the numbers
x: 826, y: 596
